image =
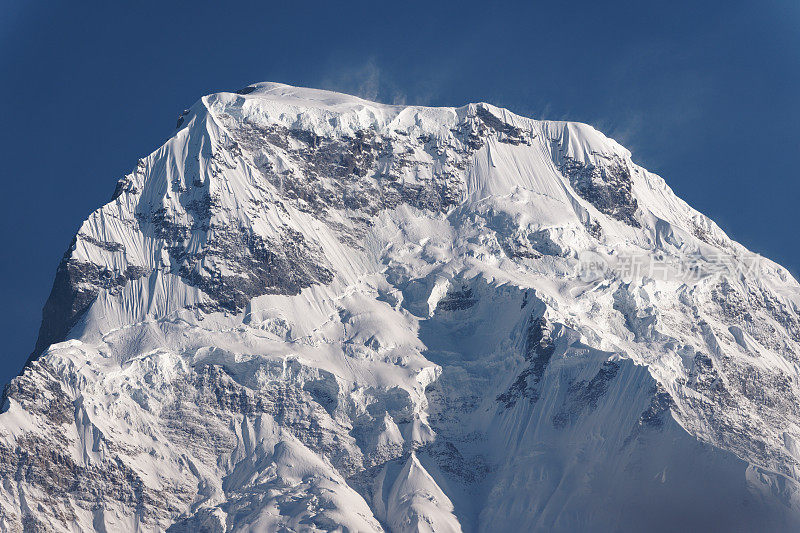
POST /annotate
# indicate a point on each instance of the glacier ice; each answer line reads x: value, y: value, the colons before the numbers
x: 311, y: 312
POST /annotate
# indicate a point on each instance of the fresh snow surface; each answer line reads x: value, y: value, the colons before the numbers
x: 311, y: 312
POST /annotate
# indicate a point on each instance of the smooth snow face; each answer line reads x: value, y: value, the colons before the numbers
x: 311, y: 312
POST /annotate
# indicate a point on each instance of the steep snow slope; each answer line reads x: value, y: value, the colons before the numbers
x: 310, y: 312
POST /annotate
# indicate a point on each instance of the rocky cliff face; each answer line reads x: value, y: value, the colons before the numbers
x: 310, y: 312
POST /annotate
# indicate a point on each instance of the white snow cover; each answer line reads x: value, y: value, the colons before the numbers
x: 311, y: 312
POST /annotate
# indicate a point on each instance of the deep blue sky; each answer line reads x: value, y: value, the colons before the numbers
x: 704, y: 93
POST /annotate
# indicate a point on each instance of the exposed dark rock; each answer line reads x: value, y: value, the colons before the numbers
x: 656, y: 414
x: 587, y: 393
x: 451, y: 460
x: 254, y: 265
x: 76, y: 286
x: 519, y: 389
x: 583, y: 395
x: 105, y: 245
x: 516, y: 246
x: 594, y: 229
x: 181, y: 118
x: 343, y: 173
x: 457, y: 300
x: 607, y: 187
x: 123, y: 185
x: 757, y: 308
x: 48, y: 465
x: 49, y: 400
x: 507, y: 133
x: 211, y: 399
x: 539, y: 349
x: 704, y: 378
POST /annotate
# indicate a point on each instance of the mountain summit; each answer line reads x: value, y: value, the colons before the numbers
x: 311, y: 312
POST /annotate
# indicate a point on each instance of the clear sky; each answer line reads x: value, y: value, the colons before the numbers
x: 704, y: 92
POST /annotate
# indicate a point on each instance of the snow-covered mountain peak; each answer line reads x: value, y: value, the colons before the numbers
x: 324, y: 111
x: 309, y: 311
x: 305, y: 97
